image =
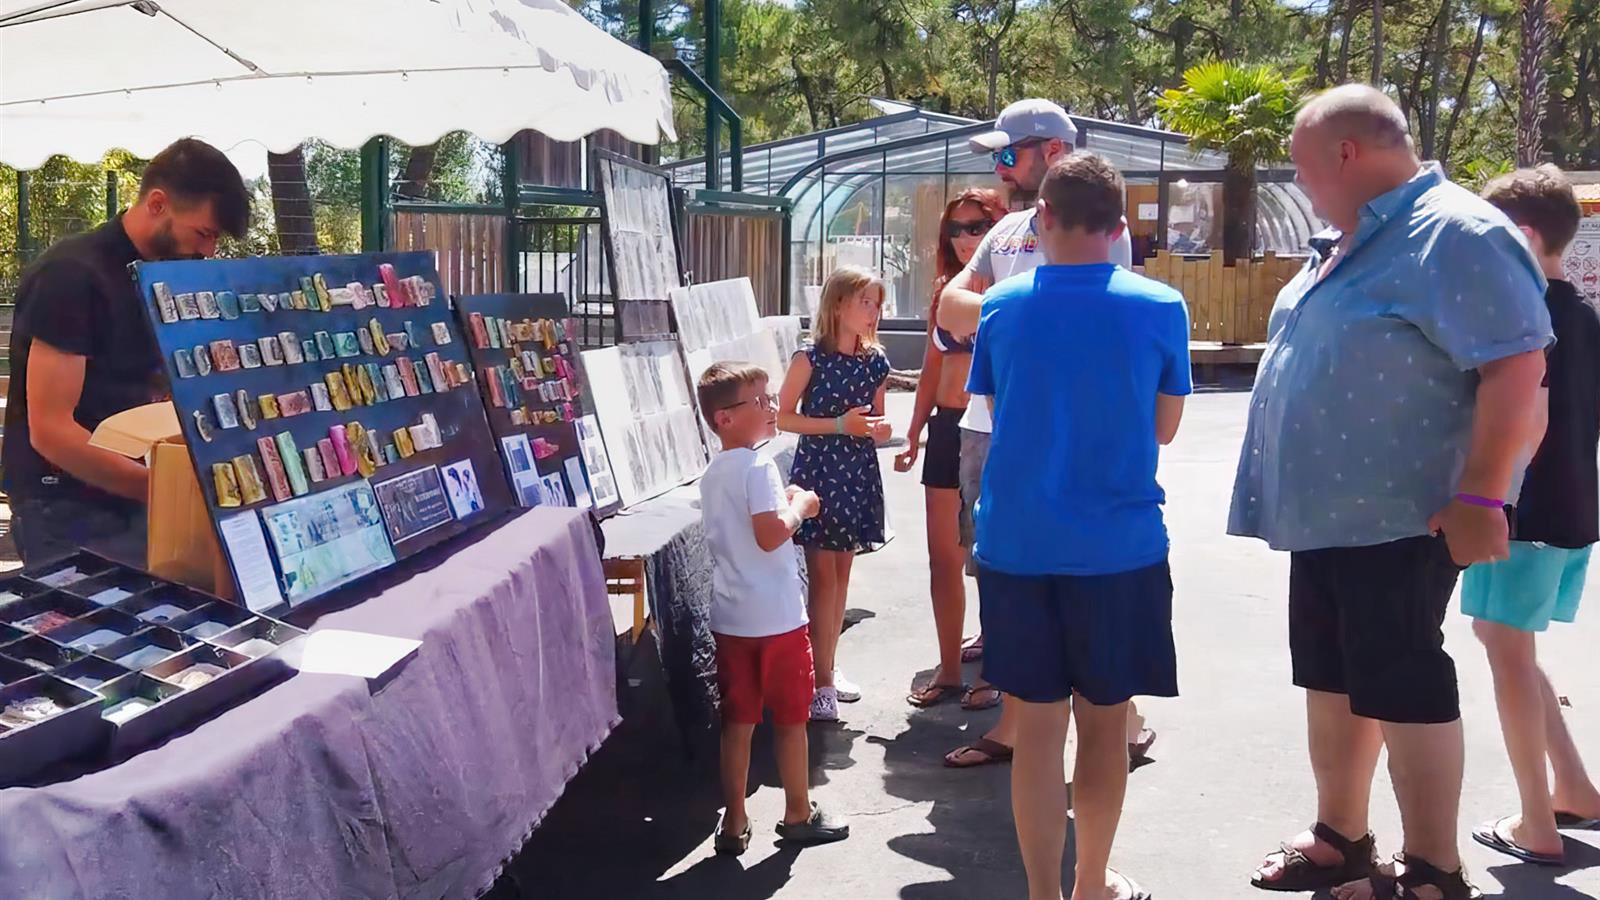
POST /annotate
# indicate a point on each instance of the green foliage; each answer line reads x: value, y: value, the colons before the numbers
x: 1246, y: 111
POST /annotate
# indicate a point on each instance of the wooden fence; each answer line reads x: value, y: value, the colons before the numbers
x: 471, y: 247
x: 723, y: 243
x: 1227, y: 304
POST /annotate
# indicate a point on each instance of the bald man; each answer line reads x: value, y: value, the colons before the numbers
x: 1387, y: 418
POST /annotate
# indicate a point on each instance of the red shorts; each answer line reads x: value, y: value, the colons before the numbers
x: 774, y: 672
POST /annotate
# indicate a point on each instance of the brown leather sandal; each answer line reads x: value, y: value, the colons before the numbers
x: 1418, y: 872
x: 993, y: 752
x: 1300, y: 874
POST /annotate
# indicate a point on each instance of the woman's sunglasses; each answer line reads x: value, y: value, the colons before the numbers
x: 978, y: 228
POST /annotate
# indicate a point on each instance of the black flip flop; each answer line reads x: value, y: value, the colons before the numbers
x: 1490, y: 835
x: 933, y: 694
x: 1575, y: 822
x: 994, y: 753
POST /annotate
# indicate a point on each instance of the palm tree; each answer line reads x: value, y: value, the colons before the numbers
x: 1532, y: 81
x: 1247, y: 112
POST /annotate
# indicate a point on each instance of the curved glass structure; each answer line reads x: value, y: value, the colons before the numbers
x: 872, y: 193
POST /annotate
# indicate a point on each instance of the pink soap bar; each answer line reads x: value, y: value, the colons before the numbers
x: 330, y: 458
x: 341, y: 449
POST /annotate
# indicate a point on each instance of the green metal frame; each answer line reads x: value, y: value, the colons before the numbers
x: 375, y: 204
x: 716, y: 107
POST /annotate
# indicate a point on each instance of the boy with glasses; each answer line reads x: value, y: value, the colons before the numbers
x: 758, y: 605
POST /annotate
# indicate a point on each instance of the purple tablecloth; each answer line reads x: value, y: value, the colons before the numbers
x: 322, y: 788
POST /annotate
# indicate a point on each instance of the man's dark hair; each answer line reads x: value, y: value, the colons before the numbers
x: 1541, y: 199
x: 719, y: 387
x: 1084, y: 190
x: 190, y: 171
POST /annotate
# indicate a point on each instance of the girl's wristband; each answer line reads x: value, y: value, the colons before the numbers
x: 838, y: 425
x: 1485, y: 502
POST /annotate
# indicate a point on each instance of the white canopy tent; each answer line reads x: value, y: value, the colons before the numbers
x: 80, y: 77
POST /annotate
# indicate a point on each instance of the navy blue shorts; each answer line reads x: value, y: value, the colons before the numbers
x: 1105, y: 637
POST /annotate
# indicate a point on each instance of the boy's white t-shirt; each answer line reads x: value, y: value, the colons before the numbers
x: 1011, y: 248
x: 754, y: 593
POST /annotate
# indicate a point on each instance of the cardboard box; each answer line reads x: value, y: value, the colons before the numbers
x: 182, y: 541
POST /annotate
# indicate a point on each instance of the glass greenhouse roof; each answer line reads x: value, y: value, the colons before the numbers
x: 871, y: 193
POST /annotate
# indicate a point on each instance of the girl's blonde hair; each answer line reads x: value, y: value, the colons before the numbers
x: 844, y: 283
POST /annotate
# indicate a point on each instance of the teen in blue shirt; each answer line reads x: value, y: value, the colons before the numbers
x: 1087, y: 364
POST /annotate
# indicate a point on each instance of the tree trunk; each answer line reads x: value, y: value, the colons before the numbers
x: 1377, y: 43
x: 291, y: 202
x: 1238, y: 212
x: 418, y: 176
x: 1430, y: 112
x: 1130, y: 98
x: 1346, y: 25
x: 1230, y: 47
x: 1182, y: 33
x: 1327, y: 42
x: 992, y: 64
x: 1532, y: 77
x: 1466, y: 89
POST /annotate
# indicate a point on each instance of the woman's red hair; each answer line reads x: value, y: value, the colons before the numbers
x: 986, y: 200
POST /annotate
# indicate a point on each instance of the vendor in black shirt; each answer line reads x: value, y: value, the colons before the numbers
x: 82, y: 351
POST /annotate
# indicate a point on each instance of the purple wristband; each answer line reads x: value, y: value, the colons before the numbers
x: 1485, y: 502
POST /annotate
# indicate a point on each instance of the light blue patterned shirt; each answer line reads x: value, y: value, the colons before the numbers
x: 1361, y: 416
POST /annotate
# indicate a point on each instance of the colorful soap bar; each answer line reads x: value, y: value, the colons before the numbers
x: 277, y: 475
x: 227, y: 485
x: 292, y: 464
x: 330, y: 458
x: 249, y: 477
x: 342, y: 449
x: 313, y: 463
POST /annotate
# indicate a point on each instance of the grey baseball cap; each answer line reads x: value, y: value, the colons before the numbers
x: 1032, y: 118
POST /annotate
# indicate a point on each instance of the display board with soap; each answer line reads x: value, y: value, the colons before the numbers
x: 303, y: 386
x: 530, y: 373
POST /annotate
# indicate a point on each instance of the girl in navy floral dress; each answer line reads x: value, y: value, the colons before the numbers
x: 833, y: 399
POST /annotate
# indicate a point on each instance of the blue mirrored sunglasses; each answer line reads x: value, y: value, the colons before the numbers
x: 1007, y: 156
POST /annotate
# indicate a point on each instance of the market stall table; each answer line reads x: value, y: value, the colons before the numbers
x: 421, y: 785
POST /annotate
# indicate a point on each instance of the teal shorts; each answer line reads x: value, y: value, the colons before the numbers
x: 1537, y: 585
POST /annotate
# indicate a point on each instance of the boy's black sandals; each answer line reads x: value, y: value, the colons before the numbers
x: 734, y: 844
x: 1298, y: 873
x: 821, y: 828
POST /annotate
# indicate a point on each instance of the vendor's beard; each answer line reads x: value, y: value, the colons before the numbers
x: 164, y: 244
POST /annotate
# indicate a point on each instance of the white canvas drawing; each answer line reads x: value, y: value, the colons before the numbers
x: 645, y: 410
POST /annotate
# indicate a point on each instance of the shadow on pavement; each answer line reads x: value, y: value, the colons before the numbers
x: 1523, y: 880
x: 972, y: 836
x: 639, y: 808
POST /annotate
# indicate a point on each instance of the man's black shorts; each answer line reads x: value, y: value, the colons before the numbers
x: 1366, y: 622
x: 941, y: 456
